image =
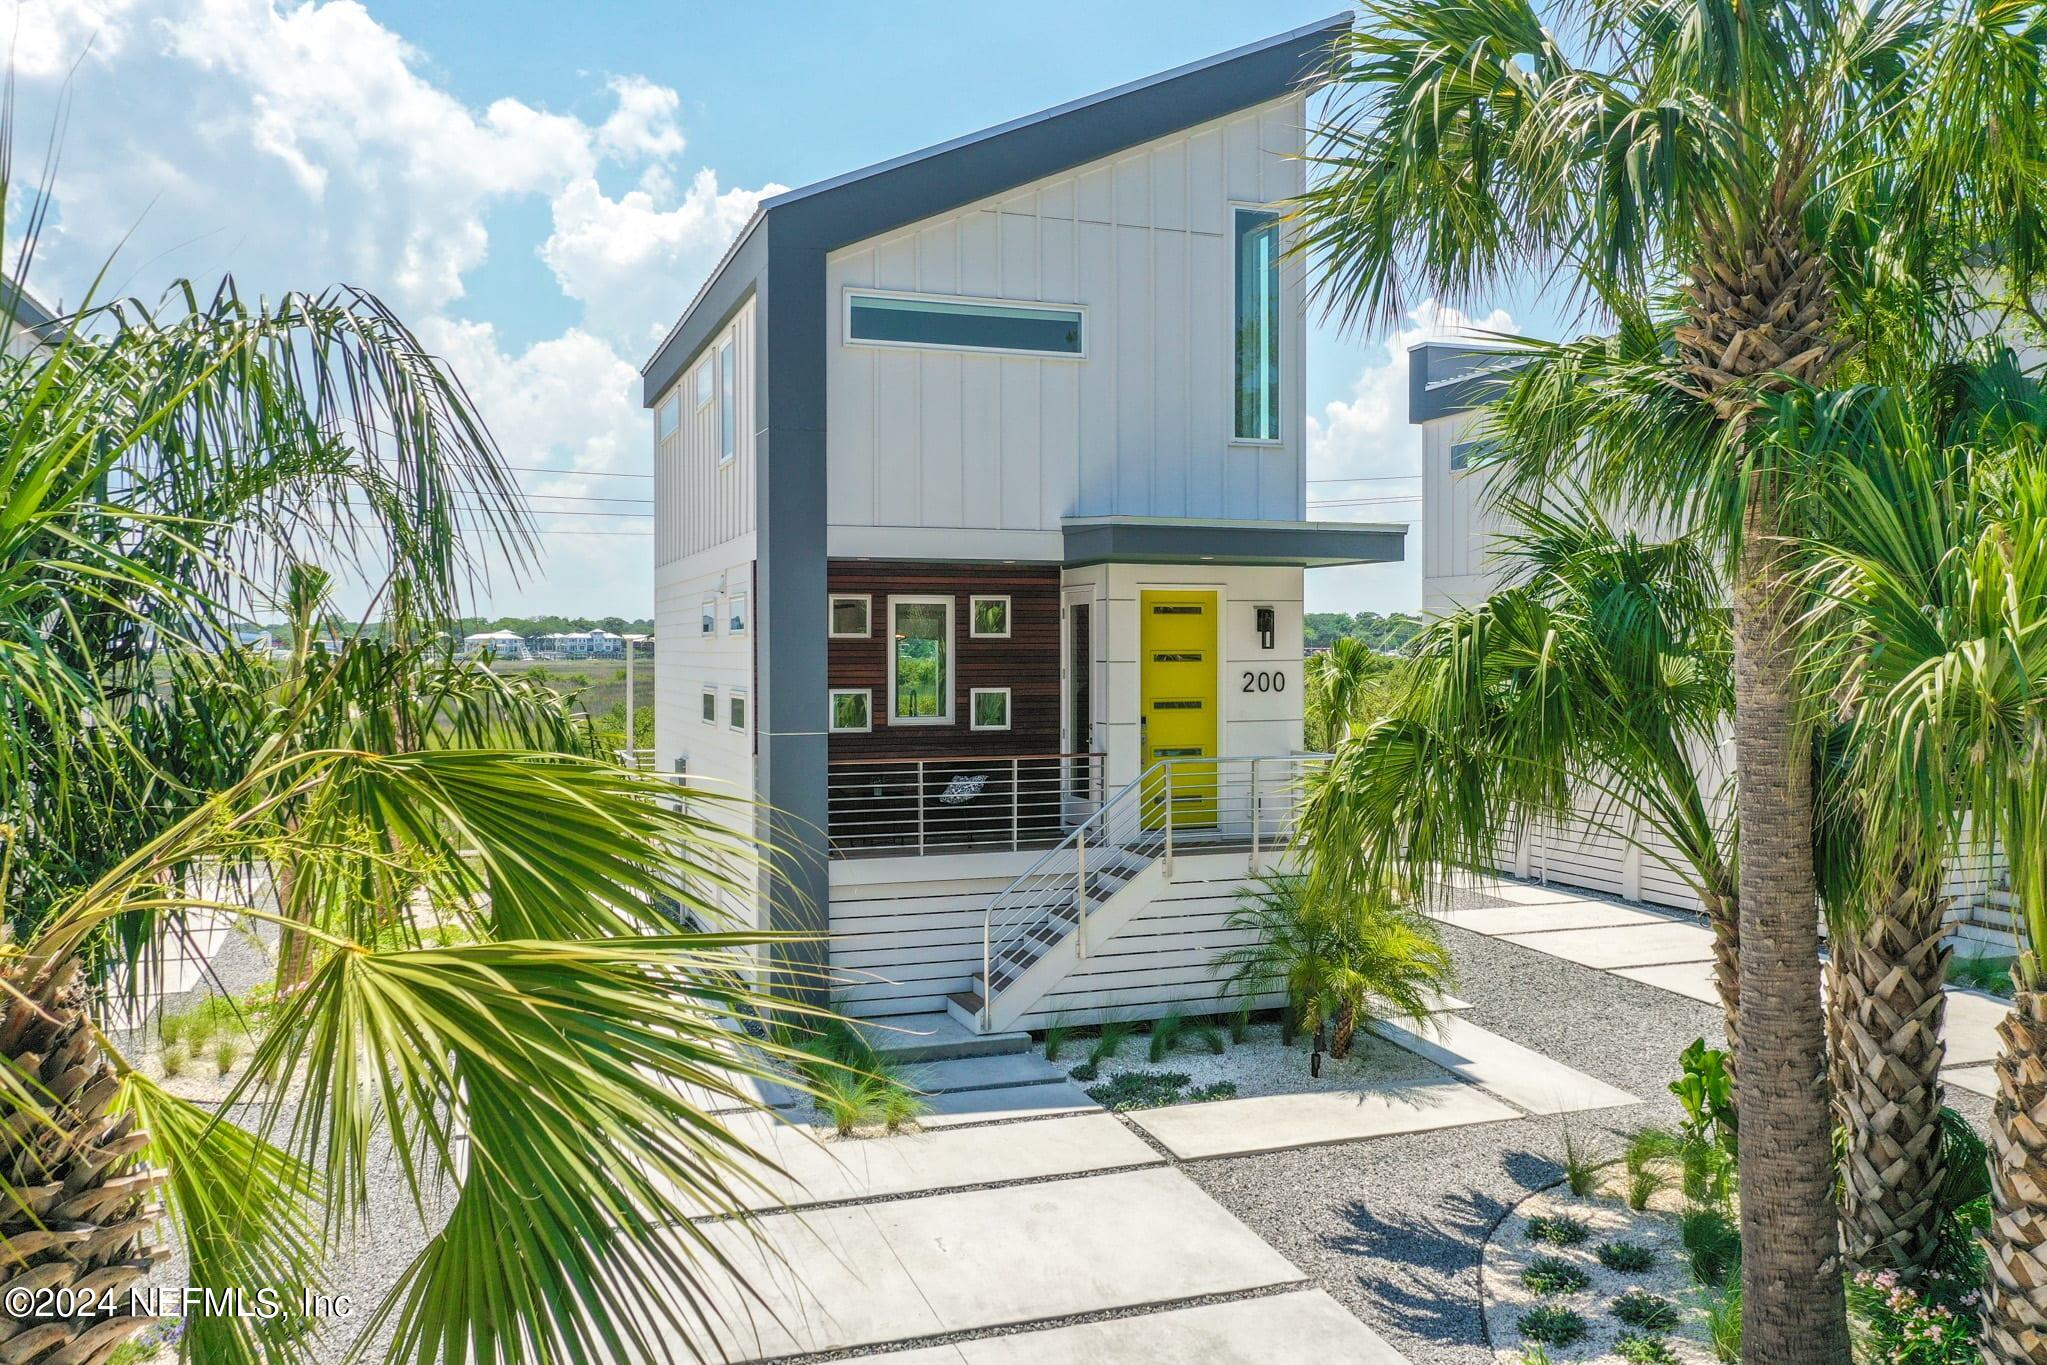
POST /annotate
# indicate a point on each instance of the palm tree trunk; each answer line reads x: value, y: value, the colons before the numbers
x: 1345, y: 1029
x: 1725, y: 921
x: 2015, y: 1309
x: 1888, y: 1045
x: 1792, y: 1302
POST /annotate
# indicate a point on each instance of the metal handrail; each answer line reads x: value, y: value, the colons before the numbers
x: 1039, y: 893
x: 907, y: 804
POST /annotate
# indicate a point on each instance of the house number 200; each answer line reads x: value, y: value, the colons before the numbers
x: 1265, y: 681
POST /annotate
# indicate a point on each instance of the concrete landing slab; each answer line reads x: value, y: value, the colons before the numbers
x: 982, y: 1073
x: 1007, y: 1102
x: 818, y: 1170
x: 1517, y: 1074
x: 1980, y: 1080
x: 1641, y: 945
x: 1276, y: 1123
x: 1692, y: 979
x: 935, y: 1038
x: 1548, y: 917
x: 1308, y: 1325
x: 878, y: 1273
x: 1972, y: 1020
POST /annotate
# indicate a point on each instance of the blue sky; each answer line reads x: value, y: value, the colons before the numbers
x: 540, y: 188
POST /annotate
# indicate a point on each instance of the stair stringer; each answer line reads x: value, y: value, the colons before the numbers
x: 1061, y: 956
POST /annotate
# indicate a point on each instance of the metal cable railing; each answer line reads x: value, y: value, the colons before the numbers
x: 1178, y: 805
x: 959, y: 803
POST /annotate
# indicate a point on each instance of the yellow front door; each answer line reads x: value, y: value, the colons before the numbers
x: 1176, y: 685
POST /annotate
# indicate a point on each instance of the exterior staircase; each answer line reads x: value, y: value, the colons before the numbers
x: 1082, y: 892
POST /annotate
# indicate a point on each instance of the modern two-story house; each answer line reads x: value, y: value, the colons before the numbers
x: 980, y: 546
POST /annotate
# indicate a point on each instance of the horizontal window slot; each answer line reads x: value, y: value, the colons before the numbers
x: 1176, y: 706
x: 1171, y: 609
x: 1176, y: 753
x: 1193, y: 658
x: 963, y: 325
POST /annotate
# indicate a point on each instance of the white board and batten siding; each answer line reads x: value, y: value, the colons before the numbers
x: 902, y: 947
x: 704, y: 553
x: 936, y: 442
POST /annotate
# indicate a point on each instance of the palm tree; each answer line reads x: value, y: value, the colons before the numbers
x: 1799, y: 171
x: 162, y: 466
x: 1592, y: 684
x: 1341, y: 686
x: 1939, y: 593
x: 1342, y: 961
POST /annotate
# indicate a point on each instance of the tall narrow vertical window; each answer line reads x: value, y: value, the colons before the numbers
x: 728, y: 420
x: 920, y: 660
x: 667, y: 416
x: 1257, y: 318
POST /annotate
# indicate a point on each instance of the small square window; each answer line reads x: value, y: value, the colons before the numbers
x: 710, y: 620
x: 850, y: 617
x: 989, y: 708
x: 736, y: 617
x: 710, y: 706
x: 990, y: 618
x: 737, y: 709
x: 705, y: 389
x: 852, y: 710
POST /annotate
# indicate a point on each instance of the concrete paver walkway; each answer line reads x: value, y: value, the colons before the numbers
x: 1271, y: 1123
x: 899, y: 1270
x: 1306, y: 1325
x: 1519, y: 1075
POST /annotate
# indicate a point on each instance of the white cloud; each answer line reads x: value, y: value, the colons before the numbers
x: 607, y: 253
x: 298, y: 145
x: 643, y: 125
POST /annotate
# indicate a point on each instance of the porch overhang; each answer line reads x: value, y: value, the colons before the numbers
x: 1197, y: 540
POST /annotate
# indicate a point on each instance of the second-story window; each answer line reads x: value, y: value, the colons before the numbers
x: 667, y: 416
x: 920, y: 660
x: 964, y: 325
x: 728, y: 419
x: 1257, y: 319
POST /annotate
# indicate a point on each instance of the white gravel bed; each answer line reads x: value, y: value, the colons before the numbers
x: 1509, y: 1251
x: 1260, y: 1065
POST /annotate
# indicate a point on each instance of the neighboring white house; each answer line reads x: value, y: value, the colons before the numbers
x: 502, y: 644
x: 980, y: 538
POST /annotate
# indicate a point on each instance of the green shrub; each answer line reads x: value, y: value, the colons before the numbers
x: 1912, y: 1326
x: 1240, y: 1023
x: 1650, y: 1312
x: 1086, y: 1071
x: 1559, y: 1230
x: 173, y: 1057
x: 1218, y: 1090
x: 1982, y: 972
x: 227, y: 1050
x: 1210, y: 1036
x: 1552, y: 1324
x: 1723, y: 1323
x: 1165, y: 1035
x: 1582, y: 1166
x: 1637, y: 1349
x: 172, y: 1029
x: 1109, y: 1040
x: 1551, y: 1275
x: 1629, y: 1258
x: 1056, y: 1035
x: 1139, y: 1090
x: 1712, y: 1243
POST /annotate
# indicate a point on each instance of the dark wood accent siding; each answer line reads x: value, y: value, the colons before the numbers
x: 1027, y: 663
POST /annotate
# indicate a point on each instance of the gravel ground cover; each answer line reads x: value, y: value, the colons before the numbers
x: 1260, y: 1065
x: 1508, y: 1295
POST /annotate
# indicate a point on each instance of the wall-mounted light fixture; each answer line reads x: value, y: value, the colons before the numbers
x: 1266, y: 627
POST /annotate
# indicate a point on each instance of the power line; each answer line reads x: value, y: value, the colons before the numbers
x: 584, y: 497
x: 1370, y: 478
x: 574, y: 473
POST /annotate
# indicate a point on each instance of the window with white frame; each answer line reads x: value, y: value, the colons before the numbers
x: 736, y: 709
x: 988, y: 618
x: 709, y: 625
x: 1257, y: 324
x: 920, y: 660
x: 852, y: 710
x: 710, y: 706
x: 988, y: 708
x: 667, y: 416
x: 735, y: 615
x: 851, y: 616
x: 728, y: 416
x: 705, y: 389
